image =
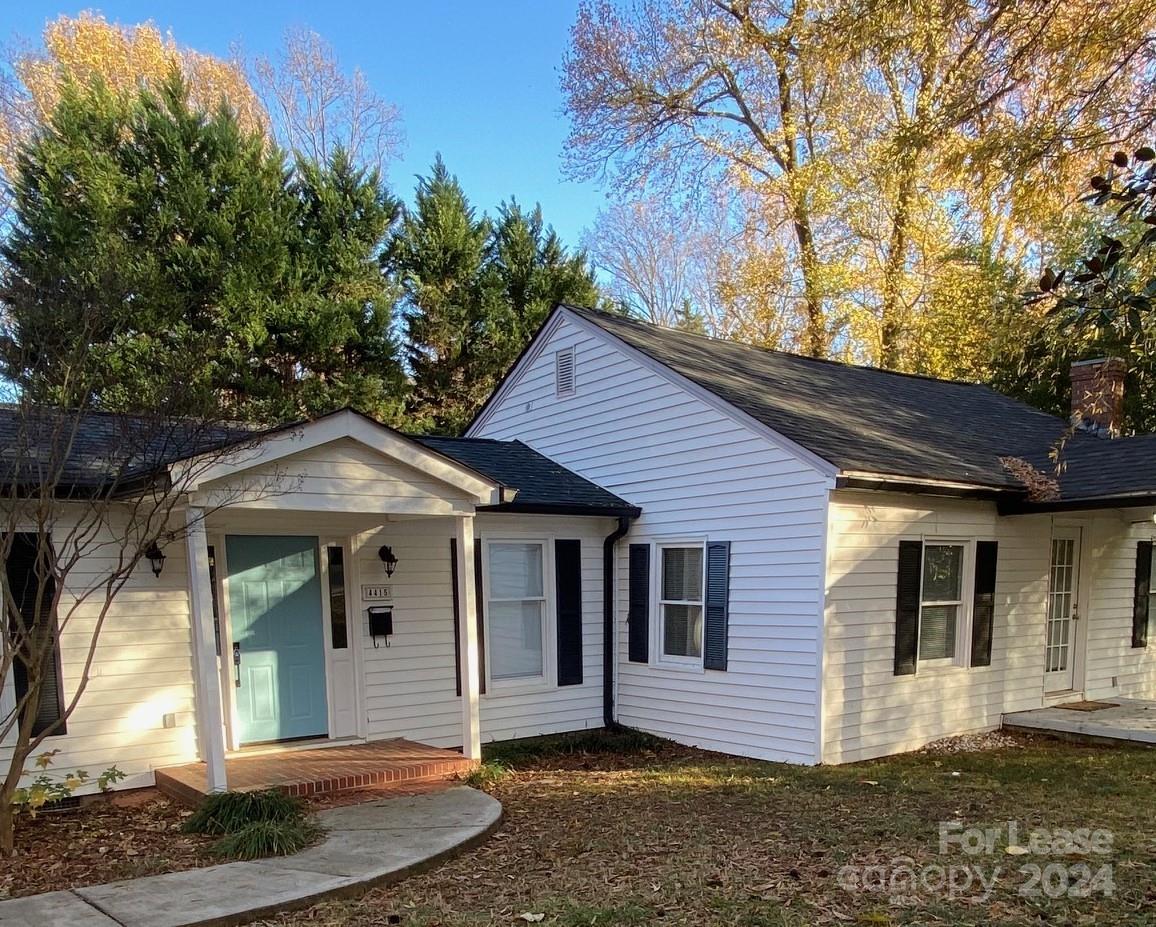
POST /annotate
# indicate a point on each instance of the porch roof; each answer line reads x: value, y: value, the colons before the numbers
x: 544, y: 486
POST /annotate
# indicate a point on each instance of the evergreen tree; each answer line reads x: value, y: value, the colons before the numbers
x: 171, y: 240
x: 439, y: 260
x: 475, y: 292
x: 532, y: 272
x: 334, y: 343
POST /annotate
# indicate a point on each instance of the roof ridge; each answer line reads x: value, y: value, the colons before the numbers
x: 804, y: 358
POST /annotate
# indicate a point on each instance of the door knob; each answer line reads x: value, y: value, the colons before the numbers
x: 237, y: 664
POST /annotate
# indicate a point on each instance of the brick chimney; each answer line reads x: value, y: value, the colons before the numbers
x: 1098, y: 394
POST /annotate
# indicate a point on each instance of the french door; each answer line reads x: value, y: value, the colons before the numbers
x: 1063, y: 611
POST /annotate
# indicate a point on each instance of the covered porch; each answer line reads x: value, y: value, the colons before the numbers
x: 1118, y: 720
x: 289, y: 583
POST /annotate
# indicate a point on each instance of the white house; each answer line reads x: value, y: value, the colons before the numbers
x: 743, y: 550
x: 890, y: 581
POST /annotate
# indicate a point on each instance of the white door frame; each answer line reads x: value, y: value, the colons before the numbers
x: 1063, y: 684
x: 228, y: 688
x: 350, y: 673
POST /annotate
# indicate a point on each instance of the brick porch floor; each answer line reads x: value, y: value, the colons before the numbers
x: 320, y: 770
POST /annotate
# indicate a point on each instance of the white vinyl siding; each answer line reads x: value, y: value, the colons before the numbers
x: 871, y: 712
x: 696, y: 472
x: 868, y: 710
x: 410, y: 686
x: 142, y: 671
x: 340, y: 476
x: 1113, y: 576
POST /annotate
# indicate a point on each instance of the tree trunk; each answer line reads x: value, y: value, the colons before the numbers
x: 893, y: 324
x: 8, y: 788
x: 7, y: 824
x: 815, y: 330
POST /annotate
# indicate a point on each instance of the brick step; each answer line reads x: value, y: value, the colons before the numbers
x: 320, y: 771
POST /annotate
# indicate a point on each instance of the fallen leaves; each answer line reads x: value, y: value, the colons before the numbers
x: 100, y: 842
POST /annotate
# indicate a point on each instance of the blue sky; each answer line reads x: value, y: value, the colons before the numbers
x: 477, y: 81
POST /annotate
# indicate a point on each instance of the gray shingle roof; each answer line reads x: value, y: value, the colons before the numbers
x: 542, y: 484
x: 1098, y: 468
x: 99, y: 449
x: 862, y: 419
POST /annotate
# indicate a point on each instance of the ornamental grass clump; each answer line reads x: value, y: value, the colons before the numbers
x: 252, y: 825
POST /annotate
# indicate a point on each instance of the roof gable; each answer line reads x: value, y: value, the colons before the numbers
x: 289, y: 441
x: 719, y: 404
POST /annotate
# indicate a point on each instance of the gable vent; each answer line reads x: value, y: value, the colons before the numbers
x: 564, y: 372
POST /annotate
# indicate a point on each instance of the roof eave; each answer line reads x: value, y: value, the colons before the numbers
x: 884, y: 482
x: 1088, y: 503
x: 563, y: 508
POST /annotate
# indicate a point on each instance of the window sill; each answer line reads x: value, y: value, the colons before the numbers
x: 499, y: 688
x: 678, y: 666
x: 939, y: 666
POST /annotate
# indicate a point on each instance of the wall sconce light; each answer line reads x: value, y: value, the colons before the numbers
x: 387, y: 557
x: 156, y: 558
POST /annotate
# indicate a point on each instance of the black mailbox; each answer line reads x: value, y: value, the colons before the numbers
x: 380, y: 622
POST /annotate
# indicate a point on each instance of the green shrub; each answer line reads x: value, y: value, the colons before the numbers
x: 487, y: 774
x: 259, y: 839
x: 231, y: 812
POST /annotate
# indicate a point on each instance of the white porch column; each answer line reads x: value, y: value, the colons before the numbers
x: 468, y: 639
x: 210, y: 728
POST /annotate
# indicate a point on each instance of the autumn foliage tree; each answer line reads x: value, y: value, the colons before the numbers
x: 875, y: 152
x: 171, y: 238
x: 1099, y: 298
x: 88, y: 49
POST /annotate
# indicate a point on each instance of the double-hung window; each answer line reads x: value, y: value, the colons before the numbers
x: 941, y: 611
x: 680, y: 602
x: 516, y: 611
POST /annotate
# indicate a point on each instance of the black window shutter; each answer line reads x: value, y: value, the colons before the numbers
x: 983, y: 603
x: 907, y: 606
x: 22, y: 580
x: 457, y: 614
x: 1140, y: 603
x: 479, y: 595
x: 638, y: 614
x: 718, y: 567
x: 568, y: 589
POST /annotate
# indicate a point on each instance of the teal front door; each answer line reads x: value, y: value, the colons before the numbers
x: 275, y: 614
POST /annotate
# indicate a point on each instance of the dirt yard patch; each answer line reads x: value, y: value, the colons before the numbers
x: 135, y: 835
x: 657, y: 834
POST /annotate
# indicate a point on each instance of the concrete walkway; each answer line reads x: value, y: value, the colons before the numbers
x: 366, y: 844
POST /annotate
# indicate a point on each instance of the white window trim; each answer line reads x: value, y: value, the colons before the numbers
x: 548, y: 679
x: 657, y: 625
x: 962, y: 658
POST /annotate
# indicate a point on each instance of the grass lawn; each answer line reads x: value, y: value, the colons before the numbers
x: 620, y: 829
